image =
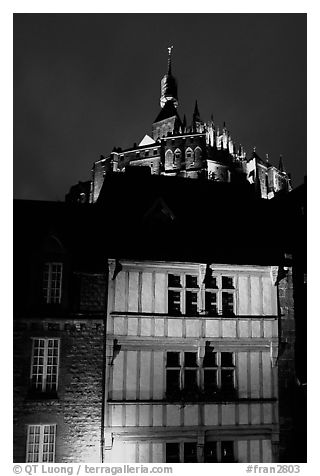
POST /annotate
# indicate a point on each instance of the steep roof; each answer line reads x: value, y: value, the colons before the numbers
x: 168, y: 110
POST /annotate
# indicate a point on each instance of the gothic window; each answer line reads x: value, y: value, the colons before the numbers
x: 169, y: 159
x: 198, y: 153
x: 189, y: 154
x: 177, y: 156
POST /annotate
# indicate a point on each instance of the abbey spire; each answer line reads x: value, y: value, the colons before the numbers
x: 169, y: 90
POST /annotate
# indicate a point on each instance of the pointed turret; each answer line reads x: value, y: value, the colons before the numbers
x: 169, y: 90
x: 280, y: 166
x: 196, y: 113
x: 197, y: 124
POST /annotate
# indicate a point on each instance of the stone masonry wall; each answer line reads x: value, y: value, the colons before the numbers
x: 77, y: 410
x: 92, y: 293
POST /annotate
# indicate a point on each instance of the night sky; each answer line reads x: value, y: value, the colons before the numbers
x: 84, y: 83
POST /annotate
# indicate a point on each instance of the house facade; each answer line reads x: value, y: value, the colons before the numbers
x: 191, y: 363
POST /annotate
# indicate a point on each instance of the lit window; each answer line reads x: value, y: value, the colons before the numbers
x: 44, y: 365
x: 41, y: 442
x: 52, y: 281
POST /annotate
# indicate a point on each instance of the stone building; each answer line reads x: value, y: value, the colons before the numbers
x: 196, y: 150
x: 59, y: 305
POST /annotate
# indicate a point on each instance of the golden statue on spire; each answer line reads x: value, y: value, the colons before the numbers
x: 170, y: 49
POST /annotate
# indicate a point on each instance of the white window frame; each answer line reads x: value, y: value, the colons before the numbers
x: 200, y: 369
x: 183, y: 289
x: 41, y: 443
x: 48, y: 289
x: 201, y: 291
x: 219, y: 290
x: 35, y: 362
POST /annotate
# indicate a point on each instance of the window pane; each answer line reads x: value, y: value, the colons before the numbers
x: 190, y: 379
x: 227, y: 381
x: 190, y: 359
x: 210, y: 452
x: 210, y: 383
x: 210, y: 358
x: 174, y: 299
x: 173, y: 382
x: 174, y: 281
x: 190, y: 453
x: 191, y: 281
x: 227, y: 454
x: 210, y: 281
x: 227, y: 303
x: 227, y: 282
x: 211, y: 304
x: 173, y: 359
x: 226, y: 359
x: 191, y: 302
x: 172, y: 453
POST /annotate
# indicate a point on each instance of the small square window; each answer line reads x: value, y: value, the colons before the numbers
x: 210, y: 282
x: 174, y: 281
x: 227, y: 282
x: 173, y: 359
x: 191, y: 281
x: 227, y: 359
x: 190, y: 359
x: 210, y: 359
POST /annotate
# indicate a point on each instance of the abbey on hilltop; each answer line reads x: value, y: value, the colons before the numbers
x: 196, y: 150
